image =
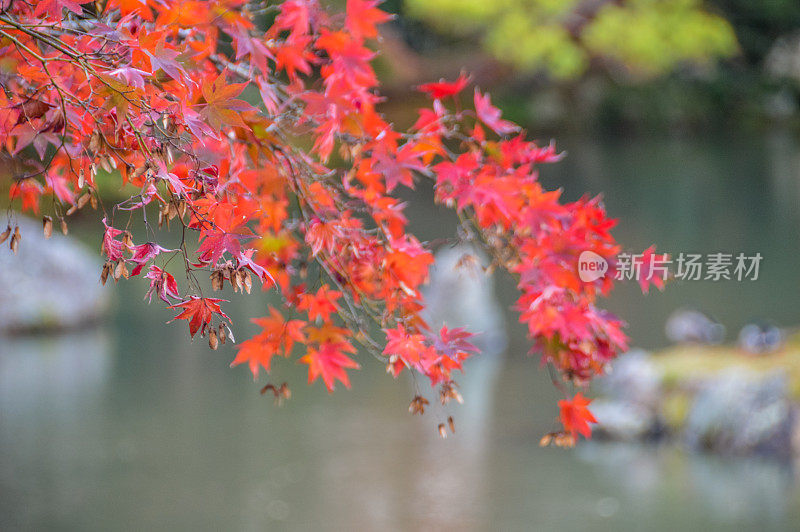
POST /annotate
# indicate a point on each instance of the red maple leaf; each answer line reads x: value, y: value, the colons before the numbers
x: 322, y: 304
x: 293, y: 16
x: 443, y: 89
x: 652, y: 270
x: 575, y: 415
x: 199, y: 311
x: 140, y: 7
x: 363, y: 16
x: 454, y: 343
x: 227, y: 233
x: 277, y: 334
x: 162, y: 284
x: 322, y: 235
x: 490, y: 115
x: 329, y: 362
x: 145, y: 252
x: 30, y: 191
x: 397, y: 166
x: 53, y: 8
x: 112, y: 247
x: 293, y: 55
x: 221, y: 109
x: 163, y: 58
x: 257, y: 352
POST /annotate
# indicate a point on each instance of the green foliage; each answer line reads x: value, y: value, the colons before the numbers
x: 563, y: 37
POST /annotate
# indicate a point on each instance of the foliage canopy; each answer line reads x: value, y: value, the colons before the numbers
x: 294, y: 192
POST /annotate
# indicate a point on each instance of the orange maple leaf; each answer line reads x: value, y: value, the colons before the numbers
x: 575, y: 415
x: 221, y: 108
x: 329, y: 362
x: 322, y: 304
x: 363, y: 16
x: 279, y: 334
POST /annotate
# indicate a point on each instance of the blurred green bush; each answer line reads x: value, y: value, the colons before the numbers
x: 645, y: 38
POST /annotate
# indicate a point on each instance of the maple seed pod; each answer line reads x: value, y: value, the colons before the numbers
x: 217, y: 280
x: 230, y: 333
x: 127, y: 239
x: 451, y: 424
x: 119, y: 269
x: 565, y: 440
x: 172, y: 210
x: 105, y: 272
x: 5, y: 234
x: 546, y: 439
x: 93, y: 201
x: 64, y: 228
x: 248, y: 281
x: 15, y: 238
x: 82, y: 201
x: 94, y: 141
x: 284, y: 391
x: 47, y: 226
x: 442, y: 431
x: 213, y: 341
x: 222, y: 335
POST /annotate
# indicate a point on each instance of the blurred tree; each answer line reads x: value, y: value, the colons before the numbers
x: 759, y: 24
x: 645, y: 38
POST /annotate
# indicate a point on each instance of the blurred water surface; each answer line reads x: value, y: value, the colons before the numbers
x: 131, y: 427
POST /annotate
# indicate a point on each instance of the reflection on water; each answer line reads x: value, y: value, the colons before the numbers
x: 730, y: 490
x: 133, y: 427
x: 47, y: 388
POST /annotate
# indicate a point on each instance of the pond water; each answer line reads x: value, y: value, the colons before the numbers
x: 130, y: 426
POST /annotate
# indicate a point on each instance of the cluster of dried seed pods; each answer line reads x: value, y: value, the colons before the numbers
x: 219, y: 336
x: 448, y: 391
x: 418, y: 404
x: 559, y: 439
x: 15, y: 238
x: 443, y: 429
x: 81, y: 203
x: 240, y: 279
x: 171, y: 210
x: 116, y: 270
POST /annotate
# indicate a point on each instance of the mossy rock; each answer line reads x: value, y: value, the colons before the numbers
x: 684, y: 365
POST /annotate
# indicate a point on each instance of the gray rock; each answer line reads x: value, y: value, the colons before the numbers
x: 632, y: 378
x: 631, y: 395
x: 623, y: 421
x: 739, y: 412
x: 48, y: 284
